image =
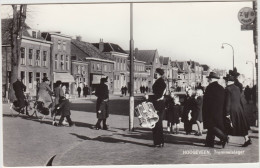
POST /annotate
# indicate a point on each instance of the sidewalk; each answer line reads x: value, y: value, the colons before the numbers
x: 29, y: 142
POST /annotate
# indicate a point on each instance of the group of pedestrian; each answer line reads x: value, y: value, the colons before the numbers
x: 220, y: 109
x: 223, y: 111
x: 144, y: 89
x: 124, y: 90
x: 85, y: 90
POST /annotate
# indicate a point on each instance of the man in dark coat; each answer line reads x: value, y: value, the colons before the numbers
x: 19, y: 89
x: 213, y: 111
x: 102, y: 94
x: 79, y: 90
x: 159, y: 89
x: 85, y: 90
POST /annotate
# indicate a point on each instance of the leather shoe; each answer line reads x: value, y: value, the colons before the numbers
x: 159, y: 146
x: 105, y: 127
x: 248, y: 142
x: 208, y: 145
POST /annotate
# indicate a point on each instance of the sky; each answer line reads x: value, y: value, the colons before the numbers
x: 181, y: 31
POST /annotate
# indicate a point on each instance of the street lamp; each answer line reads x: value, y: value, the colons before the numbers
x: 232, y: 50
x: 253, y: 70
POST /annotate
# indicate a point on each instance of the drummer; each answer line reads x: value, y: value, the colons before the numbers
x: 159, y: 89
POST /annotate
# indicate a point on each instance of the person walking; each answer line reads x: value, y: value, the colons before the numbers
x: 235, y: 111
x: 64, y: 107
x: 79, y: 90
x: 122, y: 91
x: 187, y: 109
x: 19, y: 89
x: 213, y: 111
x: 159, y: 90
x: 102, y: 110
x: 125, y: 90
x: 85, y: 91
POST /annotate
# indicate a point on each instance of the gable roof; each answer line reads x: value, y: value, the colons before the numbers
x: 205, y: 67
x: 5, y: 31
x: 147, y: 56
x: 86, y: 50
x: 108, y: 47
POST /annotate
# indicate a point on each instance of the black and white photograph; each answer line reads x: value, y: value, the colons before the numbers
x: 129, y: 83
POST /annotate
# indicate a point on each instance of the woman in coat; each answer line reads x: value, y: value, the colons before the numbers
x: 102, y: 94
x: 196, y: 115
x: 159, y: 89
x: 235, y: 111
x: 45, y: 92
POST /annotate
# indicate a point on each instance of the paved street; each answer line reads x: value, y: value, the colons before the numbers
x: 29, y: 142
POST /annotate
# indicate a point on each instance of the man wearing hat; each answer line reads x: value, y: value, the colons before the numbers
x: 102, y: 94
x: 19, y: 89
x: 212, y: 111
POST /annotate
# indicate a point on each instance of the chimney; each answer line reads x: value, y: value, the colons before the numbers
x: 79, y: 38
x: 136, y: 52
x: 101, y: 45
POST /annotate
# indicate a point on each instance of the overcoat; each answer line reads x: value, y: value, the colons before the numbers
x: 187, y: 106
x: 65, y: 107
x: 173, y: 111
x: 213, y: 106
x: 196, y: 114
x: 158, y: 87
x: 19, y: 89
x: 44, y: 94
x: 58, y: 93
x: 234, y: 108
x: 102, y: 94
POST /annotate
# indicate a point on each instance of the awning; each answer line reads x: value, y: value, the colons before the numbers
x: 63, y: 77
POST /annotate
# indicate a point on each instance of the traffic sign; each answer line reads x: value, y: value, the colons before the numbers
x: 248, y: 27
x: 246, y: 16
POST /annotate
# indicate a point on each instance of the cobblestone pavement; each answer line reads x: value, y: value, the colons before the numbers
x: 30, y: 142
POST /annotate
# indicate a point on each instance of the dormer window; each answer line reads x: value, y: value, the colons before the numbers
x: 34, y: 34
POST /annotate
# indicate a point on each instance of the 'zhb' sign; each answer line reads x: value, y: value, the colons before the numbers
x: 246, y: 15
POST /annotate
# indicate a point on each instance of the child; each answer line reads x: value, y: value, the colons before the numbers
x: 173, y: 116
x: 64, y: 107
x: 197, y: 111
x: 177, y: 113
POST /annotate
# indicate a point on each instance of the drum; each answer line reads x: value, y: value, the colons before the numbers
x: 146, y: 114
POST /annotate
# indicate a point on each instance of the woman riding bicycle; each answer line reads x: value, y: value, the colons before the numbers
x: 45, y: 93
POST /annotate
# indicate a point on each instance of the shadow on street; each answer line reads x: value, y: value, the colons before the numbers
x: 116, y: 106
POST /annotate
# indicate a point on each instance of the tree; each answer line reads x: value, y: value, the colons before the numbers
x: 16, y: 29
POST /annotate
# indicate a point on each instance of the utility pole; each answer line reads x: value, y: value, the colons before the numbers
x: 255, y: 34
x: 131, y: 112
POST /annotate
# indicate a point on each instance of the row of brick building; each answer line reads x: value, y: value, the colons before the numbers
x: 78, y: 63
